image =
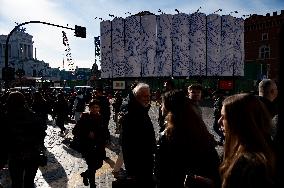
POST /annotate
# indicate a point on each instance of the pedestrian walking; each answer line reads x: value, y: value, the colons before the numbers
x: 249, y: 159
x: 89, y: 132
x: 105, y: 109
x: 268, y: 92
x: 79, y: 105
x: 24, y: 134
x: 41, y: 108
x: 138, y: 137
x: 186, y: 149
x: 61, y: 112
x: 195, y: 95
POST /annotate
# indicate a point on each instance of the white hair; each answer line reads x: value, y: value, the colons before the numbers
x: 140, y: 86
x: 264, y: 86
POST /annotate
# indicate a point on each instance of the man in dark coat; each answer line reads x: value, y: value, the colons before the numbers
x: 24, y: 134
x: 138, y: 137
x: 105, y: 109
x: 268, y: 92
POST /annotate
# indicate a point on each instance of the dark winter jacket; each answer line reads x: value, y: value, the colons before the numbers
x: 24, y: 133
x: 138, y: 140
x: 90, y: 123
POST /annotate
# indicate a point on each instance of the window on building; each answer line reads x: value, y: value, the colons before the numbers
x: 264, y: 52
x: 1, y: 53
x: 264, y: 36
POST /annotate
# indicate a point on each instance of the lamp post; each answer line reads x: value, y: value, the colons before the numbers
x: 8, y: 72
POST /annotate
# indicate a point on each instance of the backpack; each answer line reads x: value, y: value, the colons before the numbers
x: 80, y: 107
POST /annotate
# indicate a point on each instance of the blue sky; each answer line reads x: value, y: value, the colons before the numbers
x: 48, y: 39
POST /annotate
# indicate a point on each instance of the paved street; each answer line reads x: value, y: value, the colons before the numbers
x: 65, y: 165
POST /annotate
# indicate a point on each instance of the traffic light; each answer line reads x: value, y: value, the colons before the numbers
x: 80, y: 31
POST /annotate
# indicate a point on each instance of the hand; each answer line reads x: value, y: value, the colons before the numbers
x: 198, y: 181
x: 204, y: 181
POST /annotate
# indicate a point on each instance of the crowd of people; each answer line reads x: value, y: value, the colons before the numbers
x: 184, y: 154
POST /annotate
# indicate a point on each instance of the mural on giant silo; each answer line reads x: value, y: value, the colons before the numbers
x: 180, y: 45
x: 106, y: 52
x: 148, y: 43
x: 197, y: 36
x: 164, y: 46
x: 214, y: 45
x: 118, y: 47
x: 172, y: 45
x: 239, y: 47
x: 227, y: 50
x: 132, y: 39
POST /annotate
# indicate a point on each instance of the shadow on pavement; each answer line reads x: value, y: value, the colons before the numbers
x: 53, y: 172
x: 68, y: 149
x: 114, y: 145
x: 207, y: 103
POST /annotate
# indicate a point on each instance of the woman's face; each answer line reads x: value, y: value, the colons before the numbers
x: 223, y: 120
x: 94, y: 109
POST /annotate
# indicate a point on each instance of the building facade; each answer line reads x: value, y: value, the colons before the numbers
x: 20, y: 57
x: 262, y: 46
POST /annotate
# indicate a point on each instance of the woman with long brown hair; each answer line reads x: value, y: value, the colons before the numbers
x: 185, y: 146
x: 248, y: 154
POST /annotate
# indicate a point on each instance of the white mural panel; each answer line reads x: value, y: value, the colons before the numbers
x: 164, y: 45
x: 227, y: 50
x: 180, y: 45
x: 197, y: 45
x: 213, y: 45
x: 118, y: 47
x: 148, y: 45
x: 106, y: 53
x: 239, y: 47
x: 132, y: 47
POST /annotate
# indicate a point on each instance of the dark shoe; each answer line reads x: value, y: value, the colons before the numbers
x: 93, y: 184
x: 85, y: 178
